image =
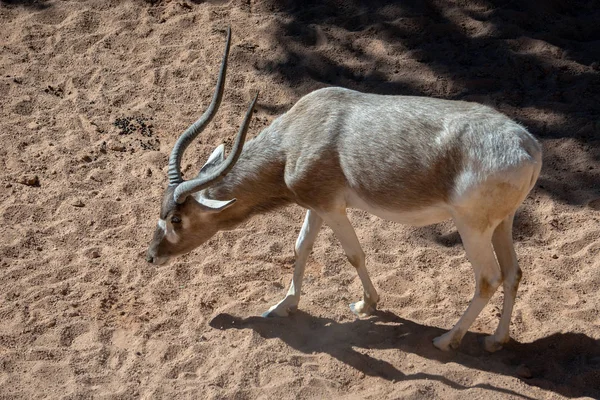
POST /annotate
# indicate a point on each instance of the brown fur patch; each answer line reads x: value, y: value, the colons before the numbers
x: 355, y: 260
x: 456, y: 339
x: 417, y: 182
x: 256, y: 181
x: 316, y: 182
x: 486, y: 288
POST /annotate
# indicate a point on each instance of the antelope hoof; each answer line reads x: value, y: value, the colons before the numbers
x: 446, y: 342
x: 362, y: 309
x: 279, y: 310
x: 492, y: 345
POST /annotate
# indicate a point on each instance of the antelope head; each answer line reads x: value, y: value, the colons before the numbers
x: 187, y: 218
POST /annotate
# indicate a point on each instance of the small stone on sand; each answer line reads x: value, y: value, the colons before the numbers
x: 77, y: 203
x: 594, y: 204
x: 30, y: 180
x: 523, y: 371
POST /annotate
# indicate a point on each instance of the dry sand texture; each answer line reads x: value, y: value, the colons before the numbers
x: 93, y: 94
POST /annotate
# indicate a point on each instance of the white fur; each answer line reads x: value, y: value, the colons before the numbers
x: 215, y: 158
x: 168, y: 230
x: 211, y: 205
x: 419, y: 217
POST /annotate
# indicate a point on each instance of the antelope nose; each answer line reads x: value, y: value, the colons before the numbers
x: 149, y: 257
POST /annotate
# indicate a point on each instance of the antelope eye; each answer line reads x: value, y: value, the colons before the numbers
x: 175, y: 219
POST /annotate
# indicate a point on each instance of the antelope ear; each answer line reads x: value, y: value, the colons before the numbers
x: 216, y: 158
x: 214, y: 205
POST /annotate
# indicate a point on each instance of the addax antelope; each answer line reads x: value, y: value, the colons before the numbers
x: 413, y: 160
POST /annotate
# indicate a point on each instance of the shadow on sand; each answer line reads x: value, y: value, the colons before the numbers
x: 565, y: 363
x: 33, y: 4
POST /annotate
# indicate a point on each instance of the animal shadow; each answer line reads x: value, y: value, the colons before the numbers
x: 565, y: 363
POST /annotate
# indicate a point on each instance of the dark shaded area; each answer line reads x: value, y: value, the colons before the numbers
x: 35, y: 4
x: 538, y: 62
x: 525, y: 226
x: 565, y: 363
x: 480, y: 65
x: 185, y: 3
x: 448, y: 240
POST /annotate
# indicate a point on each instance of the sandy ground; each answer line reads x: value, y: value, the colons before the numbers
x: 93, y: 95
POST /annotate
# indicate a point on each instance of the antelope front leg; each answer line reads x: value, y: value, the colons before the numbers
x: 344, y: 231
x: 478, y: 246
x: 306, y: 239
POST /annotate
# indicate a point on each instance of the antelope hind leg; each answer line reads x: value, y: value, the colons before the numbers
x: 511, y: 276
x: 478, y: 246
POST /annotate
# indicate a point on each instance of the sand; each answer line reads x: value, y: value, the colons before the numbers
x: 94, y: 93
